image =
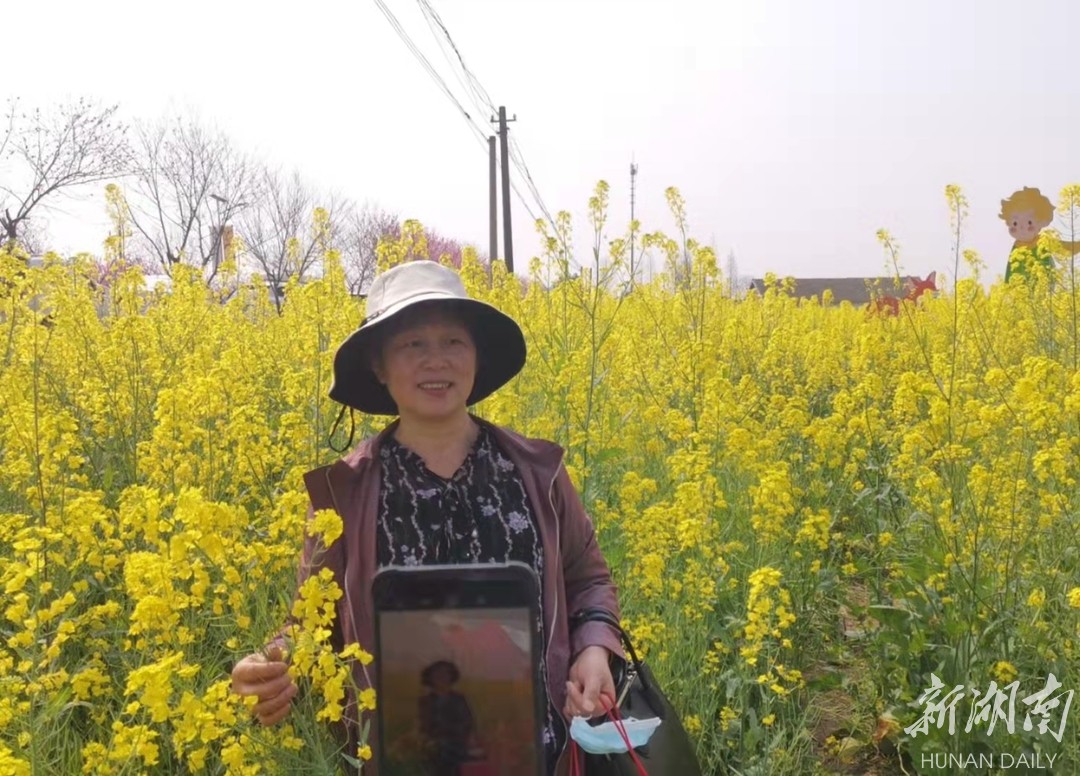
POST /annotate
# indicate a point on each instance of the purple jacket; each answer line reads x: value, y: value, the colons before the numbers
x: 579, y: 580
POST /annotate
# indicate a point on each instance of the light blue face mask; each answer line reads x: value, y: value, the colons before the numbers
x: 606, y: 739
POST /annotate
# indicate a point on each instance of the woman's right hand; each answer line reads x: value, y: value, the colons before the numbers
x: 265, y: 676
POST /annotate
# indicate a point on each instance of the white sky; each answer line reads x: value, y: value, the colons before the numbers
x: 794, y: 128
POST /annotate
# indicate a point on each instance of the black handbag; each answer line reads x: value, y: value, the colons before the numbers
x: 669, y: 751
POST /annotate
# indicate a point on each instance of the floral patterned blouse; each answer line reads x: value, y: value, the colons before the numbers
x: 480, y: 515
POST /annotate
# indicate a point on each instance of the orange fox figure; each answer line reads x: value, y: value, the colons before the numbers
x: 914, y: 288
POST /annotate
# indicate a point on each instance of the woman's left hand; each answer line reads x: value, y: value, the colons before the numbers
x: 590, y: 679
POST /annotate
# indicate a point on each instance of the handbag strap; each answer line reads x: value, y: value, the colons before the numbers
x: 616, y: 718
x: 596, y: 614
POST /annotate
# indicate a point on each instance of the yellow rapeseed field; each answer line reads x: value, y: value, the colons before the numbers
x: 809, y: 511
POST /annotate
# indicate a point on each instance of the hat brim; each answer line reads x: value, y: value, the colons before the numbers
x: 500, y: 347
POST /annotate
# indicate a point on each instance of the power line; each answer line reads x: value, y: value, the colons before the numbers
x: 433, y: 26
x: 479, y: 93
x: 423, y: 60
x: 476, y: 91
x: 519, y: 161
x: 476, y: 87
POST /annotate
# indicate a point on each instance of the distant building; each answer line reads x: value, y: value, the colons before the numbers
x: 741, y: 285
x: 857, y: 291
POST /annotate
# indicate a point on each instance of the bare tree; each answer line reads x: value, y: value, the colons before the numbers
x: 359, y: 232
x: 53, y: 152
x: 33, y: 236
x: 286, y: 230
x: 9, y: 130
x: 357, y: 235
x: 189, y: 183
x: 440, y: 246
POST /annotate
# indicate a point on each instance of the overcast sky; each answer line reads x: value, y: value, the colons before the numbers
x: 794, y: 128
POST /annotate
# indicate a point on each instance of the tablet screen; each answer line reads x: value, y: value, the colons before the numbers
x: 457, y: 692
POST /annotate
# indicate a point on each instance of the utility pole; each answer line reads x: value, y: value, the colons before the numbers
x: 492, y: 203
x: 633, y: 175
x: 507, y: 236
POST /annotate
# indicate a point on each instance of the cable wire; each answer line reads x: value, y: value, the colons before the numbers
x: 423, y: 60
x: 468, y: 83
x: 477, y: 93
x: 519, y: 161
x: 476, y: 87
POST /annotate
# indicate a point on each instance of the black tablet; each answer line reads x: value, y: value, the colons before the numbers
x: 457, y: 670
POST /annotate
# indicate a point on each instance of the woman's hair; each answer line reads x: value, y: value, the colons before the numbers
x: 427, y: 674
x: 1028, y: 199
x: 416, y: 314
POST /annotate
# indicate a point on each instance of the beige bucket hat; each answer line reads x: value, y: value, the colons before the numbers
x: 500, y: 344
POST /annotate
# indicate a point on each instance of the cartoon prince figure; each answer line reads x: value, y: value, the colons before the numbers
x: 1027, y: 212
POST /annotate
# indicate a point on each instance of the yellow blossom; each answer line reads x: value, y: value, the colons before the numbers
x: 327, y: 523
x: 1004, y: 671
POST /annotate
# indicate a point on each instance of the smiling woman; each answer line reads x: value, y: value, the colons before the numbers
x: 440, y: 485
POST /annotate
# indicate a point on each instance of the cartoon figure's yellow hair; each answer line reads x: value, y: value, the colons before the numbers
x: 1028, y: 199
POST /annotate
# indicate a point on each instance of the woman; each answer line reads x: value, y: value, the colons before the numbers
x: 446, y: 721
x: 439, y: 485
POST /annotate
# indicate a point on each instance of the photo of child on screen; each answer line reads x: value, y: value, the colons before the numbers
x: 446, y: 720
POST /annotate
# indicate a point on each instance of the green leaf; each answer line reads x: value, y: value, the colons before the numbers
x: 892, y: 616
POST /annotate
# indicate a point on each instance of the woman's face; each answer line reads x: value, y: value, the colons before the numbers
x: 429, y: 366
x: 442, y: 678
